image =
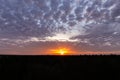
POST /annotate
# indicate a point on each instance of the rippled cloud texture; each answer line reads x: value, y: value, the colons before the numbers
x: 33, y: 26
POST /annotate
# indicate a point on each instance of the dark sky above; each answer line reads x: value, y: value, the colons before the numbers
x: 34, y: 26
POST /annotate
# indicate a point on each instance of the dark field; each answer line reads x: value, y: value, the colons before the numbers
x: 59, y: 67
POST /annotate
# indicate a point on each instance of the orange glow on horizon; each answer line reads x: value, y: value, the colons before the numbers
x: 60, y: 51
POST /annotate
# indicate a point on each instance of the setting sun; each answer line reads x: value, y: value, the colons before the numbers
x: 61, y: 51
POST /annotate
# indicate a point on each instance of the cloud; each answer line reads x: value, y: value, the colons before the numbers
x: 102, y: 36
x: 91, y: 23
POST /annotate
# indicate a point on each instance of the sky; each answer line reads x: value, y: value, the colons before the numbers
x: 34, y: 27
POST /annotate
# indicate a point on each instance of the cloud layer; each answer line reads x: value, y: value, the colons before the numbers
x: 89, y: 23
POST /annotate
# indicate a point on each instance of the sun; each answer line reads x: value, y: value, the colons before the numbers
x: 61, y: 51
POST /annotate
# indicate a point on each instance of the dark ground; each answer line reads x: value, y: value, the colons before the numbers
x: 59, y: 67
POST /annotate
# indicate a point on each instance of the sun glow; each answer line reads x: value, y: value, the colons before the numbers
x: 61, y: 51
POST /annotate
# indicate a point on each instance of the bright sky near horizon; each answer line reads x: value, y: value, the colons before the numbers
x: 36, y: 26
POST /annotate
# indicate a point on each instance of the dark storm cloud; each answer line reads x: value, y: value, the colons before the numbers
x: 94, y: 22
